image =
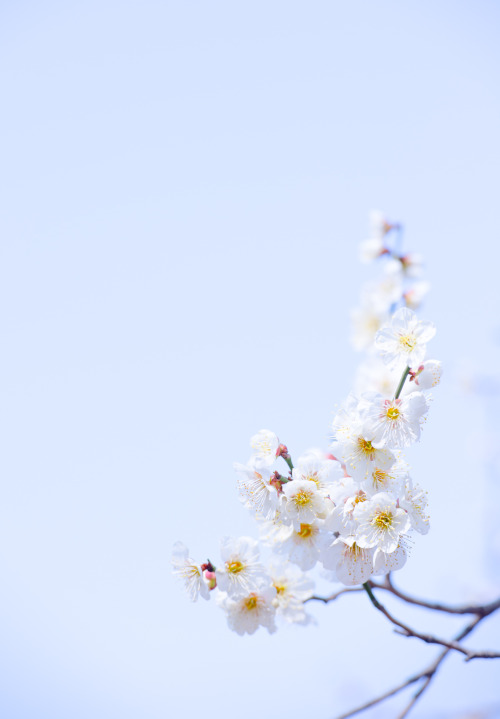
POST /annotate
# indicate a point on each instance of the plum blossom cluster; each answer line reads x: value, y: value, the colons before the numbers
x: 251, y: 593
x: 401, y: 281
x: 350, y: 510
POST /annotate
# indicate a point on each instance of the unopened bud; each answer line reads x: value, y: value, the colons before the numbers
x: 282, y: 451
x: 277, y: 481
x: 211, y: 579
x: 413, y: 374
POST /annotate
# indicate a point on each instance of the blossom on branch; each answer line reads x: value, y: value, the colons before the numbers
x: 405, y: 337
x: 393, y: 423
x: 189, y: 572
x: 242, y: 569
x: 381, y: 523
x: 251, y: 610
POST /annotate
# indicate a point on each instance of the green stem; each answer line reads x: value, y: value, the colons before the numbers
x: 289, y: 462
x: 401, y: 382
x: 373, y: 600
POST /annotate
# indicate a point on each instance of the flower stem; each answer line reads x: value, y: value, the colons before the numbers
x: 373, y: 600
x: 401, y: 382
x: 288, y: 460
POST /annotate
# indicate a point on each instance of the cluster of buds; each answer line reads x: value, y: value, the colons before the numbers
x: 351, y: 509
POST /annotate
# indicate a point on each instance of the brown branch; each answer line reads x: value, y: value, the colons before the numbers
x: 427, y: 674
x: 431, y: 671
x: 430, y: 639
x: 380, y: 698
x: 388, y: 586
x: 332, y: 597
x: 480, y: 609
x: 427, y: 638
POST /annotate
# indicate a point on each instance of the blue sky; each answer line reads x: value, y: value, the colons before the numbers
x: 183, y: 187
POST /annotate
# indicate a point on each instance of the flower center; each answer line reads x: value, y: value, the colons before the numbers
x: 408, y: 342
x: 302, y: 498
x: 393, y: 413
x: 379, y: 476
x: 354, y: 550
x: 280, y: 588
x: 383, y: 520
x: 365, y: 446
x: 305, y: 531
x: 234, y: 567
x: 251, y: 602
x: 263, y: 446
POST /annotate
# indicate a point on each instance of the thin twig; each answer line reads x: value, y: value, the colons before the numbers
x: 436, y: 606
x: 426, y: 674
x: 388, y: 586
x: 468, y: 653
x: 430, y: 672
x: 380, y: 698
x: 332, y: 597
x: 427, y: 638
x: 481, y: 611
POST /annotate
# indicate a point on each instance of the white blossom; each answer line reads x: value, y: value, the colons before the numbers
x: 428, y: 375
x: 265, y: 445
x: 241, y: 568
x: 348, y: 496
x: 414, y: 501
x: 346, y: 417
x: 366, y: 321
x: 257, y: 489
x: 303, y: 502
x: 415, y: 294
x: 404, y: 337
x: 350, y: 510
x: 293, y: 588
x: 381, y: 523
x: 393, y: 423
x: 374, y: 246
x: 360, y: 456
x: 189, y: 572
x: 373, y: 375
x: 387, y: 480
x: 253, y: 609
x: 314, y: 467
x: 383, y: 563
x: 385, y: 292
x: 412, y: 264
x: 352, y: 564
x: 302, y: 545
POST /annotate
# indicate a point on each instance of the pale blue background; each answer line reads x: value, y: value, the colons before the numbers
x: 183, y: 188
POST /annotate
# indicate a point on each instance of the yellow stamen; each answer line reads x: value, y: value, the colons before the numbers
x: 408, y: 342
x: 393, y: 413
x: 354, y: 550
x: 302, y: 498
x: 305, y: 531
x: 251, y: 602
x: 234, y: 567
x: 383, y: 520
x: 379, y: 476
x: 365, y: 446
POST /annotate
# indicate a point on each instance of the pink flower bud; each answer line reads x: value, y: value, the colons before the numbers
x: 282, y: 451
x: 211, y: 579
